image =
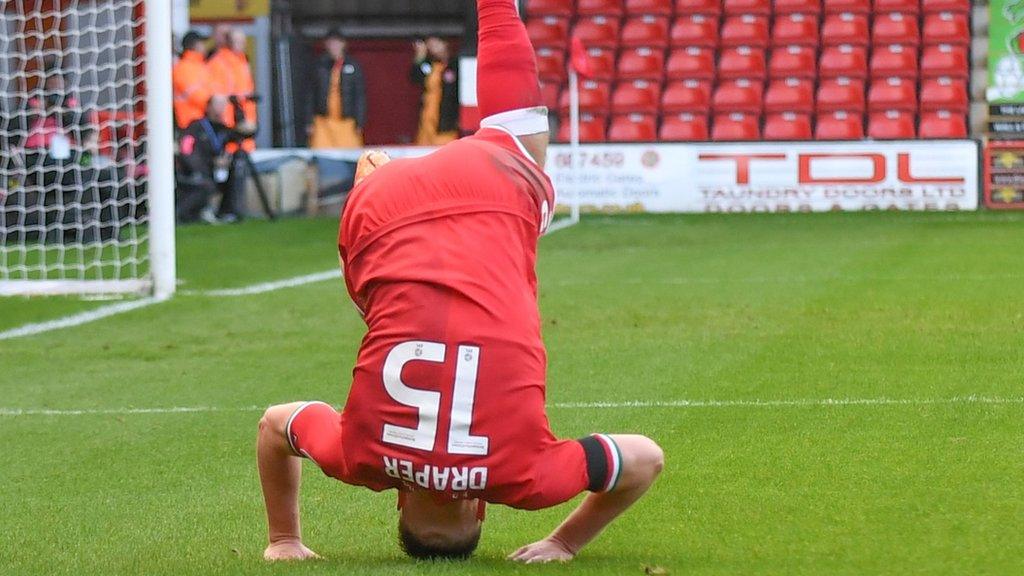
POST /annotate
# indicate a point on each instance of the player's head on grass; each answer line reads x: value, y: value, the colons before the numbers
x: 432, y: 530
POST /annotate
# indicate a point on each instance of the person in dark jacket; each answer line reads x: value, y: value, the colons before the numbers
x: 438, y: 74
x: 339, y: 98
x: 204, y: 167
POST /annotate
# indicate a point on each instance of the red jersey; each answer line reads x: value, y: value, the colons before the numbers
x: 448, y: 390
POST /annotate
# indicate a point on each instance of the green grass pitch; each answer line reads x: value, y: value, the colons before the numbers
x: 736, y: 311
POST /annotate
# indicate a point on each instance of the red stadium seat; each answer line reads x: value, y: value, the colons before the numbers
x: 738, y: 96
x: 787, y: 126
x: 602, y: 63
x: 684, y: 127
x: 642, y: 64
x: 742, y: 62
x: 944, y: 60
x: 855, y: 6
x: 598, y: 31
x: 696, y: 30
x: 845, y: 28
x: 837, y: 94
x: 942, y: 124
x: 694, y: 62
x: 792, y: 61
x: 845, y: 60
x: 812, y: 7
x: 636, y: 96
x: 592, y: 127
x: 763, y: 7
x: 641, y: 7
x: 708, y: 7
x: 536, y: 8
x: 595, y: 97
x: 600, y: 7
x: 645, y: 31
x: 686, y: 96
x: 790, y: 95
x: 896, y: 28
x: 894, y: 60
x: 891, y: 125
x: 633, y: 128
x: 736, y: 126
x: 892, y: 94
x: 944, y: 94
x: 746, y: 30
x: 839, y: 126
x: 962, y: 6
x: 905, y: 6
x: 549, y: 31
x: 549, y: 92
x: 551, y: 65
x: 946, y: 28
x: 795, y: 29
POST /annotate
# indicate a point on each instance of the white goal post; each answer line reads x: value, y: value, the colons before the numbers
x: 86, y: 135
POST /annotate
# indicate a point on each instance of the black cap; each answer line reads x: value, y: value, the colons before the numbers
x: 191, y: 37
x: 335, y: 34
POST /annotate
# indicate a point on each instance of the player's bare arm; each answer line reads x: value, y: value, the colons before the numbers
x: 280, y: 476
x: 642, y: 461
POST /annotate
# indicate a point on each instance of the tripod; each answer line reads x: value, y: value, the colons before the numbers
x: 243, y: 155
x: 246, y: 158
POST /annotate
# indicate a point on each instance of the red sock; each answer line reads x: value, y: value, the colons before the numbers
x: 507, y: 88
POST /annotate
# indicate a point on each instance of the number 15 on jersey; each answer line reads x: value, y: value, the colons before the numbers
x: 428, y: 402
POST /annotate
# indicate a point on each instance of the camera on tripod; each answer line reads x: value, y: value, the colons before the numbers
x: 243, y: 127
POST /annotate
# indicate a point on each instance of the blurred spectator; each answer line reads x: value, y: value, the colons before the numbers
x: 191, y: 80
x: 56, y: 122
x: 204, y: 166
x: 221, y: 37
x: 438, y: 74
x: 53, y: 171
x: 231, y: 76
x: 339, y: 98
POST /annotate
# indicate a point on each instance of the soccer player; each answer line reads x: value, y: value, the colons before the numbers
x: 447, y: 399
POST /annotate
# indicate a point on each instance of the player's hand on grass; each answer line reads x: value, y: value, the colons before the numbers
x: 288, y: 550
x: 546, y: 550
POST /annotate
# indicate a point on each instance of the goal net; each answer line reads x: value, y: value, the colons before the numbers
x: 86, y: 171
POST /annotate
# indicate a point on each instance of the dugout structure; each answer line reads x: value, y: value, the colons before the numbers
x: 86, y: 129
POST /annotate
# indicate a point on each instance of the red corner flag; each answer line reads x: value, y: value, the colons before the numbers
x: 580, y: 62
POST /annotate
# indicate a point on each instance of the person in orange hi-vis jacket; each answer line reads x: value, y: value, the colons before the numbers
x: 231, y: 76
x: 191, y: 81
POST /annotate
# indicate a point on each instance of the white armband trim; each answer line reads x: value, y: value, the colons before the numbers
x: 288, y: 427
x: 615, y: 465
x: 521, y: 122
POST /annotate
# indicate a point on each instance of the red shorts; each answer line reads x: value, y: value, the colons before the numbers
x: 540, y: 477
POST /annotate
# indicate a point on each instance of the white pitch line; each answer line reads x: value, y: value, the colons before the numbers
x: 120, y: 308
x: 265, y: 287
x: 77, y: 319
x: 560, y: 225
x: 698, y: 280
x: 824, y: 402
x: 790, y: 403
x: 121, y: 411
